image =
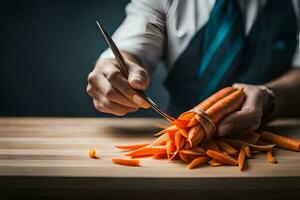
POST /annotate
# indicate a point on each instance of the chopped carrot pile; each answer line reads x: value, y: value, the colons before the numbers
x: 191, y: 137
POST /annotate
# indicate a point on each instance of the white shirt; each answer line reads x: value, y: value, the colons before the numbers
x: 156, y: 29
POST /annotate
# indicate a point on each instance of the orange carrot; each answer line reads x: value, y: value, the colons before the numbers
x: 92, y: 153
x: 227, y: 148
x: 225, y: 106
x: 281, y: 141
x: 160, y: 155
x: 270, y: 157
x: 192, y: 152
x: 131, y: 147
x: 247, y: 150
x: 161, y: 140
x: 221, y: 157
x: 127, y: 162
x: 261, y: 148
x: 146, y: 151
x: 196, y: 135
x: 198, y: 162
x: 170, y: 148
x: 215, y: 163
x: 179, y: 140
x: 184, y: 132
x: 186, y: 158
x: 241, y: 158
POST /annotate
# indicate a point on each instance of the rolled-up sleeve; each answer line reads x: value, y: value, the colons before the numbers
x: 142, y: 33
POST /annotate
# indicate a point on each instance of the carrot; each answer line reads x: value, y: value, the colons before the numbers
x: 192, y: 152
x: 92, y: 153
x: 227, y: 148
x: 198, y: 162
x: 127, y: 162
x: 131, y: 147
x: 225, y: 106
x: 146, y: 151
x: 186, y: 158
x: 160, y: 155
x: 216, y: 113
x: 170, y: 148
x: 221, y: 157
x: 241, y: 158
x: 270, y: 157
x: 181, y: 123
x: 196, y: 135
x: 247, y: 151
x: 179, y: 140
x: 184, y: 132
x: 251, y: 138
x: 281, y: 141
x: 215, y: 163
x: 170, y: 129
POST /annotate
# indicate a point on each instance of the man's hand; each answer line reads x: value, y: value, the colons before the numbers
x: 111, y: 92
x: 249, y: 117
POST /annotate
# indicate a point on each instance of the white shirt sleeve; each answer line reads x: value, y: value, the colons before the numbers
x: 142, y: 33
x: 296, y: 60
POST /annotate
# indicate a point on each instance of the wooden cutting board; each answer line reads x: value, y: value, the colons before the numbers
x: 44, y: 156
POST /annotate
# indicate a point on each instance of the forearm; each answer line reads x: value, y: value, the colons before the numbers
x: 286, y: 89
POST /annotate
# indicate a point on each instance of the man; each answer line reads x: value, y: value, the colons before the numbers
x: 206, y: 45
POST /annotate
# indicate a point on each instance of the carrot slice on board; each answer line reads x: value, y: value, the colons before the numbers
x: 241, y: 158
x: 198, y: 162
x: 270, y: 157
x: 221, y: 157
x: 247, y: 150
x: 261, y: 147
x: 281, y: 141
x: 227, y: 148
x: 160, y: 155
x: 92, y: 153
x: 186, y: 158
x: 127, y: 162
x: 192, y: 152
x: 215, y: 163
x: 131, y: 147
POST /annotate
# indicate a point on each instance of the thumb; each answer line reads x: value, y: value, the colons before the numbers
x: 138, y: 77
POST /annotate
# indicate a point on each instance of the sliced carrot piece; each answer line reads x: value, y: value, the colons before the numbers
x: 181, y: 123
x: 186, y: 158
x: 178, y: 140
x: 184, y: 132
x: 227, y: 148
x: 215, y: 163
x: 262, y: 147
x: 270, y: 157
x: 92, y: 153
x: 247, y: 151
x: 221, y: 157
x: 241, y: 158
x: 192, y: 152
x: 198, y: 162
x: 170, y: 148
x: 160, y: 155
x: 281, y: 141
x: 127, y: 162
x: 131, y: 147
x: 145, y: 151
x: 161, y: 140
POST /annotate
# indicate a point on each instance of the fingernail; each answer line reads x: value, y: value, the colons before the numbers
x: 138, y: 100
x: 225, y: 129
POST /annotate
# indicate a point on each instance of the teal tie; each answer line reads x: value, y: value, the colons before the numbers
x: 223, y: 42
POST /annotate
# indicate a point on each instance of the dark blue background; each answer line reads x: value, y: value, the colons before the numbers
x: 48, y: 47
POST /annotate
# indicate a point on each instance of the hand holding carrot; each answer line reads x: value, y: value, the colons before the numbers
x: 249, y: 117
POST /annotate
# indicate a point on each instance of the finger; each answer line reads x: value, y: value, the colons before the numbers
x: 138, y: 77
x: 101, y: 86
x: 106, y: 106
x: 122, y: 85
x: 237, y: 122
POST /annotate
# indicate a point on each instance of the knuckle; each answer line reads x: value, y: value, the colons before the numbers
x: 91, y: 77
x: 112, y: 75
x: 110, y: 92
x: 99, y: 106
x: 89, y: 89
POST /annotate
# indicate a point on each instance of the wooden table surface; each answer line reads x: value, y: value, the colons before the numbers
x: 45, y: 157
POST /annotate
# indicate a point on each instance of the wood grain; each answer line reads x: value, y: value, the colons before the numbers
x: 40, y: 148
